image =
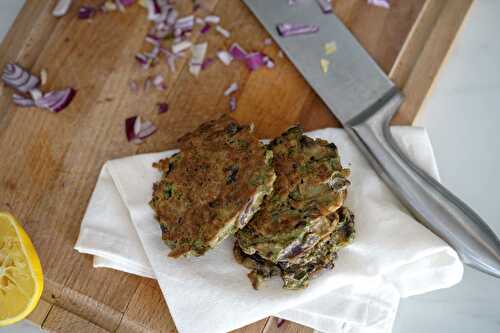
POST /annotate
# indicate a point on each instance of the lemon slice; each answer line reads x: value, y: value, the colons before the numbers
x: 21, y: 277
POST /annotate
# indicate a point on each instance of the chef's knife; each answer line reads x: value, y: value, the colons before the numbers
x: 364, y: 100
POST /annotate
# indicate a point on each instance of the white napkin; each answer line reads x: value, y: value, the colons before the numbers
x: 392, y: 256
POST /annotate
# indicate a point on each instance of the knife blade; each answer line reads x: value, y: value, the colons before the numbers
x: 364, y: 100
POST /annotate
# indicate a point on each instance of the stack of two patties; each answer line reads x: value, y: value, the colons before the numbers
x: 283, y: 201
x: 301, y: 225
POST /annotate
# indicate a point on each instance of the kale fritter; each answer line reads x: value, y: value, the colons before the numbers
x: 297, y: 271
x: 212, y: 187
x: 310, y: 184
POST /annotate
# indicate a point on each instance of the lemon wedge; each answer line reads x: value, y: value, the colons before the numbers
x: 21, y: 277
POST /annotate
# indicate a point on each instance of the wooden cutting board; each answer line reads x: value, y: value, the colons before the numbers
x: 50, y: 162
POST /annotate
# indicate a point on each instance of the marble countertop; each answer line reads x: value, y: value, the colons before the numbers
x: 462, y: 117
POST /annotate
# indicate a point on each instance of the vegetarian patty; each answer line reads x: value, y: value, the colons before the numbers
x: 310, y: 184
x: 297, y: 271
x: 212, y: 187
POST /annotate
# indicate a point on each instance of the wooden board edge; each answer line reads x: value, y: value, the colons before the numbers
x: 430, y: 60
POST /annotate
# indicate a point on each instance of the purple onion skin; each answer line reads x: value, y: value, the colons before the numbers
x: 68, y: 100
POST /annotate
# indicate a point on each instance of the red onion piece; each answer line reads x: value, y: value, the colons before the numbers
x: 254, y: 61
x: 23, y: 101
x: 159, y: 82
x: 268, y: 41
x: 222, y: 31
x: 268, y: 62
x: 162, y: 108
x: 171, y: 17
x: 86, y: 12
x: 185, y: 23
x: 380, y: 3
x: 157, y: 10
x: 181, y: 46
x: 291, y: 29
x: 61, y: 8
x: 233, y: 103
x: 280, y: 322
x: 56, y: 101
x: 231, y: 89
x: 326, y: 6
x: 225, y: 57
x: 35, y: 94
x: 207, y: 62
x: 205, y: 29
x: 198, y: 55
x: 212, y: 19
x: 126, y: 3
x: 137, y: 130
x: 237, y: 52
x: 142, y: 59
x: 18, y: 78
x: 152, y: 39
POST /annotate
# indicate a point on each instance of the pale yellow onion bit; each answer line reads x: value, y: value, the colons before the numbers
x: 330, y: 47
x: 43, y: 76
x: 325, y: 64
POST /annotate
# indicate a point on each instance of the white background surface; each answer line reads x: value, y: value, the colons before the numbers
x: 462, y: 115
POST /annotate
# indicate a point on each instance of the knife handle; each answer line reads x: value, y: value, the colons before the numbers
x: 431, y: 203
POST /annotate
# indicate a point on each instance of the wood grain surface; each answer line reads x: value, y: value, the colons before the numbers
x: 50, y: 162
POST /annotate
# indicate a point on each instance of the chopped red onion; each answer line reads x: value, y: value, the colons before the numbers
x: 231, y: 89
x: 326, y: 6
x: 86, y: 12
x: 268, y: 62
x: 119, y: 6
x: 18, y: 78
x: 198, y: 55
x: 185, y: 23
x: 380, y: 3
x: 237, y: 52
x: 233, y: 104
x: 35, y: 94
x: 280, y: 322
x: 291, y: 29
x: 137, y: 130
x: 223, y: 31
x: 171, y: 17
x: 268, y: 41
x: 212, y: 19
x: 254, y: 60
x: 162, y: 108
x: 142, y: 59
x: 23, y: 101
x: 56, y: 101
x: 205, y: 29
x: 61, y: 8
x: 181, y: 46
x: 225, y: 57
x: 157, y: 10
x: 207, y: 62
x: 151, y: 39
x: 159, y: 82
x: 126, y: 3
x: 109, y: 6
